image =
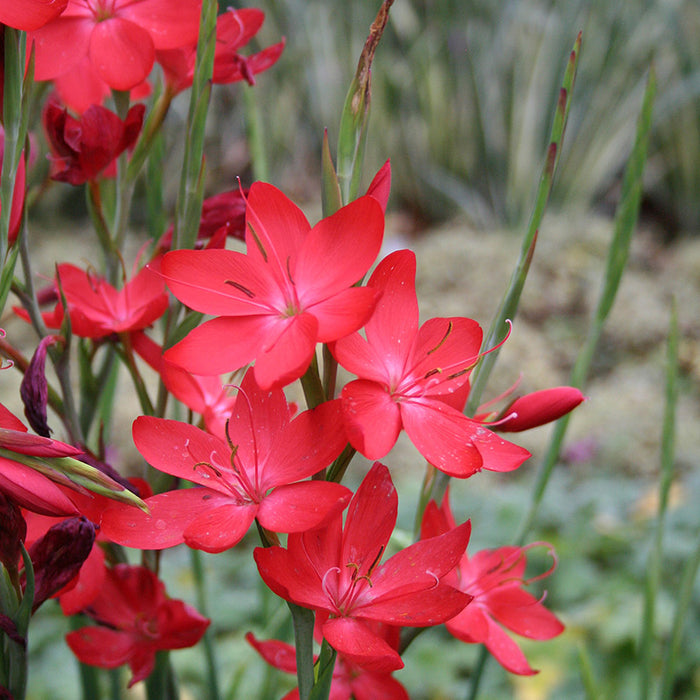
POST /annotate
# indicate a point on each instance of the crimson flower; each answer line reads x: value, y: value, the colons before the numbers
x: 292, y: 289
x: 495, y: 579
x: 30, y: 14
x: 97, y: 309
x: 349, y: 679
x: 234, y: 29
x: 412, y: 378
x: 83, y: 148
x: 136, y: 619
x: 257, y: 473
x: 119, y: 37
x: 336, y: 571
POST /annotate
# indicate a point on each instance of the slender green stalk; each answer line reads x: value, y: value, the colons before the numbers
x: 625, y: 221
x: 312, y: 386
x: 303, y: 621
x: 590, y: 687
x: 326, y: 663
x: 255, y: 135
x: 213, y: 687
x: 189, y: 203
x: 162, y: 684
x: 653, y: 578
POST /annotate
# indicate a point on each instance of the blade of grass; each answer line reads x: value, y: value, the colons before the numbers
x: 625, y: 221
x: 668, y: 435
x: 189, y: 203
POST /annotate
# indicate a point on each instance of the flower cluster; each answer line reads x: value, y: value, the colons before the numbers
x: 297, y: 303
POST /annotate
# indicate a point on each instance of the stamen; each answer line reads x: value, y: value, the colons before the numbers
x: 241, y: 288
x: 444, y: 338
x: 258, y: 242
x: 376, y: 561
x: 289, y: 272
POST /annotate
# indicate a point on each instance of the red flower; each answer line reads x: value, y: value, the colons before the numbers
x: 83, y: 148
x: 412, y: 378
x: 256, y: 475
x: 24, y: 485
x: 292, y: 289
x: 336, y: 571
x: 30, y: 14
x: 234, y: 29
x: 120, y: 37
x: 139, y: 620
x: 495, y: 578
x: 97, y: 309
x: 349, y: 679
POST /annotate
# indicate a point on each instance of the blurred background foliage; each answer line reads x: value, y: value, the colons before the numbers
x: 462, y: 97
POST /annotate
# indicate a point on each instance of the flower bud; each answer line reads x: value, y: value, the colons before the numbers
x: 13, y: 531
x: 539, y: 408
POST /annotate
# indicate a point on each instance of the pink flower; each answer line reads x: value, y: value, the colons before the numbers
x: 293, y: 288
x: 30, y: 14
x: 256, y: 474
x: 336, y: 571
x: 413, y: 378
x: 120, y: 37
x: 495, y: 579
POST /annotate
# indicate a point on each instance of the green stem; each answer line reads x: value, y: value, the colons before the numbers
x: 161, y: 684
x: 255, y: 132
x: 303, y: 621
x: 213, y: 688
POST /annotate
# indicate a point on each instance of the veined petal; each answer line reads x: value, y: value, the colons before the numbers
x: 60, y: 45
x: 370, y: 520
x: 506, y: 651
x: 357, y: 643
x: 343, y: 313
x: 291, y: 578
x: 523, y: 614
x: 170, y: 513
x: 122, y: 52
x: 101, y: 646
x: 220, y: 282
x: 177, y: 448
x: 305, y: 446
x: 393, y: 326
x: 339, y: 250
x: 30, y: 14
x: 442, y: 435
x: 359, y: 357
x: 471, y: 625
x: 222, y: 344
x: 498, y: 454
x: 372, y: 418
x: 287, y: 352
x: 169, y: 24
x: 220, y: 527
x: 302, y: 506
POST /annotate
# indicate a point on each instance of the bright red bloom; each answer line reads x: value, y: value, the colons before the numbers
x: 349, y: 679
x: 234, y: 29
x: 26, y: 486
x: 335, y: 570
x: 29, y: 15
x: 495, y: 577
x: 120, y: 37
x: 257, y: 473
x: 83, y: 148
x: 412, y: 378
x: 139, y: 620
x: 291, y: 290
x: 97, y: 309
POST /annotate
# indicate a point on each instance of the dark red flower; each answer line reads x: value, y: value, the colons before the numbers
x: 83, y: 148
x: 496, y: 579
x: 293, y: 288
x: 336, y: 571
x: 256, y: 474
x: 412, y: 378
x: 137, y: 619
x: 120, y: 37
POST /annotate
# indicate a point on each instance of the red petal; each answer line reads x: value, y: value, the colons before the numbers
x: 60, y: 45
x: 359, y: 645
x: 339, y: 250
x: 276, y: 653
x: 303, y: 506
x: 540, y: 407
x: 523, y: 614
x: 498, y: 454
x: 370, y: 520
x: 507, y: 652
x: 221, y: 527
x: 343, y: 313
x: 380, y: 187
x: 100, y: 646
x: 372, y: 418
x: 29, y: 15
x: 360, y: 358
x: 442, y: 435
x: 169, y: 24
x: 122, y: 52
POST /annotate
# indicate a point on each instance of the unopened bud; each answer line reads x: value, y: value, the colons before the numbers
x: 13, y: 531
x: 538, y: 408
